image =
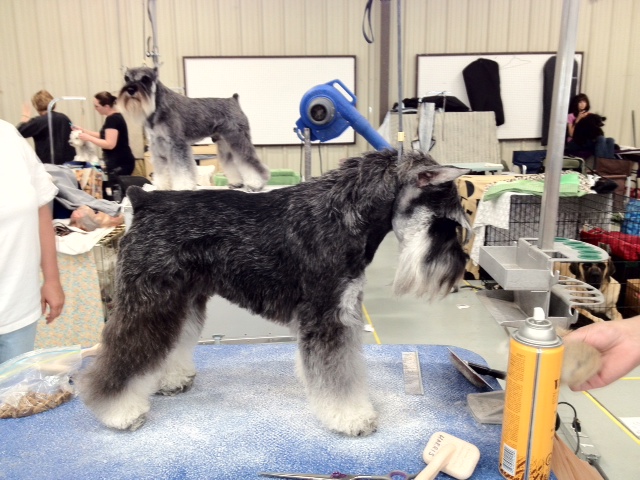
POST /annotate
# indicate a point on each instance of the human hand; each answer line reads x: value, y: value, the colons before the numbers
x: 581, y: 115
x: 52, y: 294
x: 618, y: 341
x: 85, y: 137
x: 26, y: 111
x: 76, y: 127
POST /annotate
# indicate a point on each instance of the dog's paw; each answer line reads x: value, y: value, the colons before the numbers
x: 184, y: 385
x: 352, y: 420
x: 254, y: 188
x: 235, y: 186
x: 128, y: 421
x: 359, y: 424
x: 137, y: 423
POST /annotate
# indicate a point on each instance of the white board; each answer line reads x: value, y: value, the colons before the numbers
x: 521, y: 86
x: 270, y: 89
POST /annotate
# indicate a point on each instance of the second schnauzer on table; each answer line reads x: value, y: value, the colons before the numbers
x: 296, y: 256
x: 173, y: 122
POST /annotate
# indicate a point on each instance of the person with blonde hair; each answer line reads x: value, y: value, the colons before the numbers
x: 38, y: 129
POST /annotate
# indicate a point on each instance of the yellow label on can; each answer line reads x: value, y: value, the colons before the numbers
x: 531, y: 402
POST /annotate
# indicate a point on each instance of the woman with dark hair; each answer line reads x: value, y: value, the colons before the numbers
x: 113, y: 137
x: 584, y: 130
x: 579, y: 107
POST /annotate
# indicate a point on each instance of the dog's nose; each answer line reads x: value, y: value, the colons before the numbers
x: 131, y: 90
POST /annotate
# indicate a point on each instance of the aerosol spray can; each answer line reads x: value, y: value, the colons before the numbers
x: 531, y: 400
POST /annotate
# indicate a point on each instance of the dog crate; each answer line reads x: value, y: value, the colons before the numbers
x: 611, y: 222
x: 105, y: 255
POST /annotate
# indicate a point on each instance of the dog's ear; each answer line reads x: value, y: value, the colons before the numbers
x: 611, y: 268
x: 576, y: 268
x: 436, y: 175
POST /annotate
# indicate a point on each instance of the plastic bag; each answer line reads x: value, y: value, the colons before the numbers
x: 38, y: 381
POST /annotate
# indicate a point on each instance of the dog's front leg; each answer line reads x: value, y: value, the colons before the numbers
x: 331, y: 365
x: 182, y: 166
x: 160, y: 160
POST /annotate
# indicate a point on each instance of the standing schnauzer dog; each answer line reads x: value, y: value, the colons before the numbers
x: 296, y: 256
x: 173, y: 122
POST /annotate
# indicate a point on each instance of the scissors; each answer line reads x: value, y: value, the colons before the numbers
x: 396, y: 474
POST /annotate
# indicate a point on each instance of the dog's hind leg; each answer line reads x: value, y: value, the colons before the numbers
x: 179, y: 370
x: 142, y: 331
x: 331, y: 365
x: 228, y: 166
x: 253, y: 173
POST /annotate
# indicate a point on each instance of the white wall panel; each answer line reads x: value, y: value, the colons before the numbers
x: 78, y: 47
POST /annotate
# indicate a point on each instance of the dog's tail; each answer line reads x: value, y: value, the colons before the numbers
x: 137, y: 196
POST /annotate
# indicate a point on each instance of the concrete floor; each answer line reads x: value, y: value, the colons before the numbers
x: 462, y: 320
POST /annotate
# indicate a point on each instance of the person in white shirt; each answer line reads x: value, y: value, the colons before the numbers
x: 27, y: 245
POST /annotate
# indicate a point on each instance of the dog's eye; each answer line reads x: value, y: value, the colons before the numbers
x: 145, y: 79
x: 126, y: 78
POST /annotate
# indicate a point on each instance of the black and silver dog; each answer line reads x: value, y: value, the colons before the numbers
x: 173, y: 122
x: 295, y: 255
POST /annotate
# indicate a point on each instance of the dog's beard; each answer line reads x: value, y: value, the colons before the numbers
x: 432, y: 260
x: 138, y: 107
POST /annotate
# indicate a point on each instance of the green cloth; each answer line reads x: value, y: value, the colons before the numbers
x: 279, y: 176
x: 569, y: 187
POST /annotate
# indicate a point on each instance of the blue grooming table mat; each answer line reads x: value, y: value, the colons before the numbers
x: 247, y: 413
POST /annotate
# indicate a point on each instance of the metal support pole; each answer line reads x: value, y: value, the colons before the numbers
x: 50, y: 120
x: 153, y: 51
x: 558, y: 123
x: 400, y: 106
x: 307, y: 155
x: 383, y: 71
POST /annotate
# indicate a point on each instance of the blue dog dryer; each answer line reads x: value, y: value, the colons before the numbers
x: 327, y: 113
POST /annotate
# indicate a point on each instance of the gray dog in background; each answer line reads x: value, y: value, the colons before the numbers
x: 173, y: 122
x: 296, y: 256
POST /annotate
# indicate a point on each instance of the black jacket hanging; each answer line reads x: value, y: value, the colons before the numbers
x: 548, y: 72
x: 482, y: 80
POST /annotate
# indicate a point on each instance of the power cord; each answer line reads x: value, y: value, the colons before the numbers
x: 367, y: 15
x: 575, y: 423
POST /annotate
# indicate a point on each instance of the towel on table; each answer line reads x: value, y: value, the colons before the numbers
x: 570, y: 186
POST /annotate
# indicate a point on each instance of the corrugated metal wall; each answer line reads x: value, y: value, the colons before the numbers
x: 79, y: 47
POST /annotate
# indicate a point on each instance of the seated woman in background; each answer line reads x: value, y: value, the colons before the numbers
x: 585, y: 134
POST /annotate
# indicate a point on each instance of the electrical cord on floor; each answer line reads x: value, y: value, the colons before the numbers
x: 468, y: 285
x: 575, y: 423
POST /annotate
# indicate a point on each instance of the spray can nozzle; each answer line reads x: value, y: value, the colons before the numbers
x: 538, y: 328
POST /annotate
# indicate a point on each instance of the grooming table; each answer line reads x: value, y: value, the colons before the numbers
x: 247, y: 413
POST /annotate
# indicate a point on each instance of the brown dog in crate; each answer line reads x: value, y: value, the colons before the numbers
x: 598, y: 275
